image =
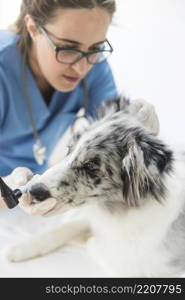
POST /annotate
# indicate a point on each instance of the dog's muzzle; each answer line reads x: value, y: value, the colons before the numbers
x: 39, y: 192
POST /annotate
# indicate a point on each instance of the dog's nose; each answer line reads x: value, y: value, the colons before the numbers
x: 40, y: 192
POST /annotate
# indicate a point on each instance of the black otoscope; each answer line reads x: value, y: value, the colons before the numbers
x: 10, y: 197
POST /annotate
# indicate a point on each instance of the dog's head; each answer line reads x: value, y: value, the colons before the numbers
x: 115, y: 161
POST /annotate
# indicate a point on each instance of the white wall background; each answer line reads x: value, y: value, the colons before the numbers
x: 149, y: 58
x: 9, y: 9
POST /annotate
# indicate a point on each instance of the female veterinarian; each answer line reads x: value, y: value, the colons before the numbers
x: 53, y: 55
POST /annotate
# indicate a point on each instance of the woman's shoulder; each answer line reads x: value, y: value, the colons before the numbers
x: 101, y: 67
x: 8, y: 48
x: 99, y: 71
x: 7, y: 39
x: 9, y: 53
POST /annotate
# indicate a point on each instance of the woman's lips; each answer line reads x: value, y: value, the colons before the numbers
x: 71, y: 79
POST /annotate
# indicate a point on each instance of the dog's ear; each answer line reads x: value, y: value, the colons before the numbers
x: 80, y: 125
x: 108, y: 108
x: 145, y: 162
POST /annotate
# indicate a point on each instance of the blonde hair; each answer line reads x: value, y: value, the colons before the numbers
x: 42, y: 11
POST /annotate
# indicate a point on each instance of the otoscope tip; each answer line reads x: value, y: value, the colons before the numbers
x: 9, y: 196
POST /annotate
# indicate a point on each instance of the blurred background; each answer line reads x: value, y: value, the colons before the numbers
x: 149, y: 55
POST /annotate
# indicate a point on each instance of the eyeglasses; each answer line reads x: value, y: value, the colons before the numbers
x: 69, y: 55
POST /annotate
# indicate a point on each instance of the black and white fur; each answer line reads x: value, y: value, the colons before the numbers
x: 127, y: 188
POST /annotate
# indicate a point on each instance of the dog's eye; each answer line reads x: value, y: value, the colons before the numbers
x: 90, y: 166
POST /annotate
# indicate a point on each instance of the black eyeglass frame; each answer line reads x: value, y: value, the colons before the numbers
x: 83, y: 54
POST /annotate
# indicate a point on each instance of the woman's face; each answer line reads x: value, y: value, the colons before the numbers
x: 80, y: 29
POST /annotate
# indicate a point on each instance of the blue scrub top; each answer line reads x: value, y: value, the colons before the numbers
x: 16, y: 135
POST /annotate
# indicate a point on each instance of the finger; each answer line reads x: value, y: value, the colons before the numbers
x: 149, y: 119
x: 146, y: 112
x: 44, y: 206
x: 39, y: 208
x: 25, y: 200
x: 136, y: 105
x: 21, y: 175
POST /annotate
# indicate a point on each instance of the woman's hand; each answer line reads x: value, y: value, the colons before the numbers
x: 31, y: 208
x: 19, y: 177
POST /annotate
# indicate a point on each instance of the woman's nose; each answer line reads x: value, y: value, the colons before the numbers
x: 81, y: 67
x: 40, y: 192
